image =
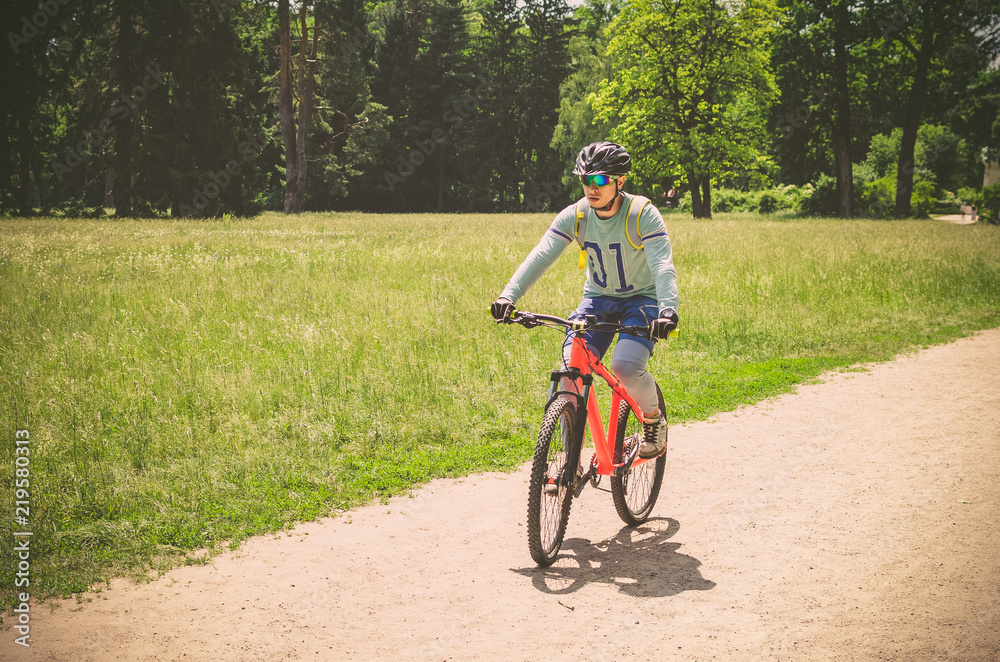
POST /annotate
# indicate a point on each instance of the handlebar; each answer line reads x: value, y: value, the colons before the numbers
x: 588, y: 323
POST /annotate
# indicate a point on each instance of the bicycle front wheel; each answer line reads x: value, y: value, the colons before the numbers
x: 551, y: 482
x: 635, y: 493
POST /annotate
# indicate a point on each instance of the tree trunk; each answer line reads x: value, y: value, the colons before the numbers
x: 36, y: 168
x: 295, y: 137
x: 286, y: 110
x: 25, y: 192
x: 842, y: 123
x: 706, y: 197
x: 123, y: 121
x: 701, y: 200
x: 442, y: 152
x: 307, y: 78
x: 914, y: 108
x: 109, y: 188
x: 694, y: 183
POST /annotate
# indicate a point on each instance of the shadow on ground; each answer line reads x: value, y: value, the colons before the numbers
x: 640, y: 561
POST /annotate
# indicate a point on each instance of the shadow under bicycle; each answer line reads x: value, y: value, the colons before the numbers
x: 639, y: 560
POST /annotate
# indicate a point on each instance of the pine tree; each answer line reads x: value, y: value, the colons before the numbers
x: 501, y: 68
x: 349, y: 127
x: 547, y: 63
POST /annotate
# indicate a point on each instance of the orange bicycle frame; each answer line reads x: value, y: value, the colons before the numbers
x: 583, y: 361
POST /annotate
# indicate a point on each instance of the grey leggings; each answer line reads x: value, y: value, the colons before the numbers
x: 629, y: 365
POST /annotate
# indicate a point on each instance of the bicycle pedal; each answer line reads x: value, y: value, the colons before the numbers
x: 631, y: 447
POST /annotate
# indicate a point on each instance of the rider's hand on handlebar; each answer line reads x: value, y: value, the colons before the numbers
x: 501, y: 309
x: 661, y: 327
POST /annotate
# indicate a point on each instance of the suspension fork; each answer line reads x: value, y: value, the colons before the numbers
x: 580, y: 424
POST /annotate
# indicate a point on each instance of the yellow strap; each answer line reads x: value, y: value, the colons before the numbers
x: 576, y: 233
x: 628, y: 215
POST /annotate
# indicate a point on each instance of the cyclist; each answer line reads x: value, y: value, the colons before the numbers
x: 630, y: 278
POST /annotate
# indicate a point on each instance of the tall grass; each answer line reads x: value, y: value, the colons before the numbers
x: 189, y: 384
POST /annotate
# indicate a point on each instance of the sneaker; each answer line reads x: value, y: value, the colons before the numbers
x: 630, y: 443
x: 654, y: 439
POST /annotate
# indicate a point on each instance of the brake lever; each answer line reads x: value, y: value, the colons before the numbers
x: 527, y: 320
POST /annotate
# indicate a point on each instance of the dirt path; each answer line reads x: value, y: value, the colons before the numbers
x: 960, y: 219
x: 854, y: 520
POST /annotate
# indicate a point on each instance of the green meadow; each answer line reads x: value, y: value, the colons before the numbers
x: 187, y: 384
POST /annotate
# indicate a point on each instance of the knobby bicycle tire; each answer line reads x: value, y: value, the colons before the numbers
x: 548, y: 513
x: 635, y: 493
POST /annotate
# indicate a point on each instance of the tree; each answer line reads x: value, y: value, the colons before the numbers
x: 812, y: 55
x: 69, y: 125
x: 301, y: 83
x: 442, y: 79
x: 349, y: 126
x: 929, y: 33
x: 938, y: 158
x: 132, y: 118
x: 840, y: 36
x: 206, y: 146
x: 549, y: 30
x: 521, y: 58
x: 578, y: 123
x: 124, y: 67
x: 595, y: 15
x: 691, y: 85
x: 425, y: 78
x: 976, y: 117
x: 499, y: 48
x: 33, y: 62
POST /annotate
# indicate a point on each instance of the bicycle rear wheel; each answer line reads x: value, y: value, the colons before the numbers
x: 635, y: 493
x: 551, y: 482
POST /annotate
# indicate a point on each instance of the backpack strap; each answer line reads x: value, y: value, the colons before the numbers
x: 580, y: 231
x: 635, y: 207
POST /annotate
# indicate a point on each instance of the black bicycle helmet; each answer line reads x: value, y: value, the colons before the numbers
x: 603, y: 158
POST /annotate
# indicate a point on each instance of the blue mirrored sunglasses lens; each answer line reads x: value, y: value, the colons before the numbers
x: 600, y: 180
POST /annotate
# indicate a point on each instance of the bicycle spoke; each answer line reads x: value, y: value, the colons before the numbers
x: 635, y: 492
x: 550, y: 497
x: 552, y: 490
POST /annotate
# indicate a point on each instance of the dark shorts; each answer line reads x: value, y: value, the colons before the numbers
x: 640, y: 311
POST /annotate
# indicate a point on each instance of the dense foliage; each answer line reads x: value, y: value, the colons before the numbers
x: 172, y: 108
x: 690, y: 85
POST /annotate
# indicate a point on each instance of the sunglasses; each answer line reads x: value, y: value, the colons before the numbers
x: 600, y: 180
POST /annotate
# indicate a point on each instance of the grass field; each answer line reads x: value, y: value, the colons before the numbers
x: 187, y: 384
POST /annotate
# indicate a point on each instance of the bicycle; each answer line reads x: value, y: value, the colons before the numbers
x: 635, y: 483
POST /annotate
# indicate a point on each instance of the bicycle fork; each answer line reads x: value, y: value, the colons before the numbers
x: 573, y: 481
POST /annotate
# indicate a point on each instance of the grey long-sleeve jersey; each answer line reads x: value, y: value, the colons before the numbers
x: 622, y: 261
